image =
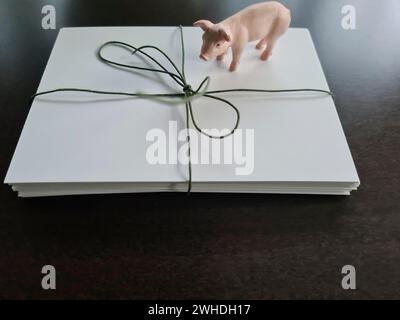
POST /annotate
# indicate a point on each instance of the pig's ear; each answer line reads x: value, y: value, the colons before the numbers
x: 224, y: 35
x: 203, y: 24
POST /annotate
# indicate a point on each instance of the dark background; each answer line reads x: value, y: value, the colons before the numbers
x: 246, y: 246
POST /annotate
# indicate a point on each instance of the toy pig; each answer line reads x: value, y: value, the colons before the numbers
x: 265, y: 21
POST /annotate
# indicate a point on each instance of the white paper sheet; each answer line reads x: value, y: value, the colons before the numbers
x: 79, y: 137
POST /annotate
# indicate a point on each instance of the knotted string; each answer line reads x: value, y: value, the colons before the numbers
x: 187, y: 94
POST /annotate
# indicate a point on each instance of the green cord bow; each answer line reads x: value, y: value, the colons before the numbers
x: 187, y: 93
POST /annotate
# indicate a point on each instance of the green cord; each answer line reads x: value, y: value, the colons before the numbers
x: 187, y: 93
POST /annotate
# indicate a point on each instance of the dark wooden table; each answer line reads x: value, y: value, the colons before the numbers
x: 212, y: 245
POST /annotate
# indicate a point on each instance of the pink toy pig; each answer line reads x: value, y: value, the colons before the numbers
x: 265, y: 21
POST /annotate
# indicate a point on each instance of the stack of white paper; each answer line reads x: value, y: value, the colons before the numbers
x: 80, y: 143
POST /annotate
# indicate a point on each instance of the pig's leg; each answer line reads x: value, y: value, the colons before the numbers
x: 268, y: 51
x: 237, y: 51
x: 279, y: 28
x: 271, y: 39
x: 261, y: 44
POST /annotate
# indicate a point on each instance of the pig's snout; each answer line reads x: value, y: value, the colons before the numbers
x: 203, y: 56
